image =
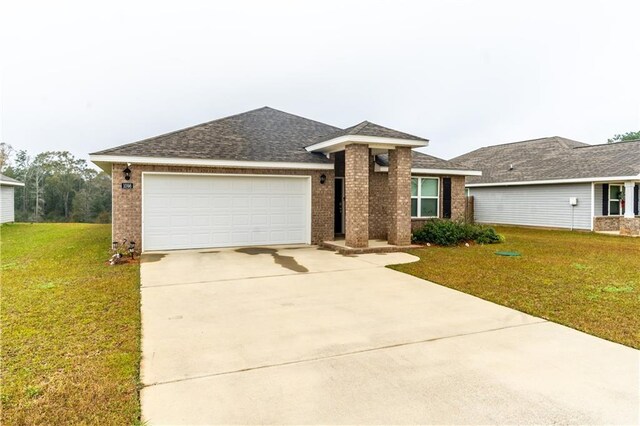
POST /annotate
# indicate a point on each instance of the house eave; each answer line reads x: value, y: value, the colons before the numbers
x: 556, y: 181
x: 4, y: 183
x: 339, y: 143
x: 417, y: 170
x: 105, y: 161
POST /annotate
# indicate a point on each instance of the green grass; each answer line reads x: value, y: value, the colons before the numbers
x: 70, y: 327
x: 587, y: 281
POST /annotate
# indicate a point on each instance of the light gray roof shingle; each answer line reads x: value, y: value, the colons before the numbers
x: 552, y: 158
x: 264, y: 134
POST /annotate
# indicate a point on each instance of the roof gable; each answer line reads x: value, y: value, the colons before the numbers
x: 367, y: 128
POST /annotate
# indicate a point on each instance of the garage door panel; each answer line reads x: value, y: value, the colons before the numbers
x: 220, y: 201
x: 221, y: 220
x: 198, y: 211
x: 260, y: 202
x: 241, y: 203
x: 295, y: 202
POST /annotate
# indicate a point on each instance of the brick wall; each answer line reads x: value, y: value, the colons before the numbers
x: 357, y: 195
x: 399, y: 204
x: 127, y: 203
x: 458, y: 198
x: 378, y: 202
x: 630, y: 226
x: 606, y: 223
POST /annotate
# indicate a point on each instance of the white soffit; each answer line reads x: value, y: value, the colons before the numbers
x: 452, y: 172
x: 376, y: 142
x: 104, y: 162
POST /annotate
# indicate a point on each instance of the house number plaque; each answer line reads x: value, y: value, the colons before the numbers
x: 127, y: 185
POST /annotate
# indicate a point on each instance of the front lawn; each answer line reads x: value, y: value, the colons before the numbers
x: 589, y: 282
x: 70, y: 327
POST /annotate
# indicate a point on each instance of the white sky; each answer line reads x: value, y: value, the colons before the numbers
x: 85, y: 76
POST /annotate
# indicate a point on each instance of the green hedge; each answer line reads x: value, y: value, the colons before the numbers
x: 450, y: 233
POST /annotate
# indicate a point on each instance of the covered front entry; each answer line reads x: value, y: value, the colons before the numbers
x: 185, y: 211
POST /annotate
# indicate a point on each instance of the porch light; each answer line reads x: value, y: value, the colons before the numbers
x: 127, y: 173
x: 323, y: 179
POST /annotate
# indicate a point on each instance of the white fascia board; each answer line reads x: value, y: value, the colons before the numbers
x: 100, y: 161
x: 339, y: 143
x: 555, y: 181
x: 5, y: 183
x: 379, y: 168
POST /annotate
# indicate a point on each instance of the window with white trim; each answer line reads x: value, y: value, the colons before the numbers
x: 425, y: 197
x: 616, y: 200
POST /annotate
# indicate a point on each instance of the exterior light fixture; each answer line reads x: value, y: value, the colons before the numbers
x: 114, y: 245
x: 323, y: 179
x: 132, y: 248
x: 127, y: 173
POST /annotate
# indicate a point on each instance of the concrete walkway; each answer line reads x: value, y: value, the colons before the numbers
x: 300, y: 335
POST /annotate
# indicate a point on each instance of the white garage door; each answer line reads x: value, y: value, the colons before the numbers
x: 201, y: 211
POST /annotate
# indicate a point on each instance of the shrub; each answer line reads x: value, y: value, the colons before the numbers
x: 449, y: 233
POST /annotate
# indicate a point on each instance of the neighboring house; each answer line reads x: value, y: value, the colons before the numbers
x: 557, y: 182
x: 269, y: 177
x: 7, y: 197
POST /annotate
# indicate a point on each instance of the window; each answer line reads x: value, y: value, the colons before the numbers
x: 424, y: 197
x: 616, y: 197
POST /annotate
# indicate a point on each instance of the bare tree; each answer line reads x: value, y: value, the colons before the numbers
x: 5, y: 155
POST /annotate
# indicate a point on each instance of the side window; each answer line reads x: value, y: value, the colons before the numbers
x: 425, y: 197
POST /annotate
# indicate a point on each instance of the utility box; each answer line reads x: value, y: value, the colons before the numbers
x: 573, y: 201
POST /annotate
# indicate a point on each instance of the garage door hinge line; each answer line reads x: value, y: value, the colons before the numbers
x: 397, y: 345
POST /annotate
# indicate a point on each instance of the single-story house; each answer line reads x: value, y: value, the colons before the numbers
x: 7, y: 198
x: 270, y: 177
x: 557, y: 182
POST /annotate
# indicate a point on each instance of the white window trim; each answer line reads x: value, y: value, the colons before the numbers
x: 619, y: 200
x: 431, y: 197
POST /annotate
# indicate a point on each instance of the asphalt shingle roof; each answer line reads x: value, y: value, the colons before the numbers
x: 552, y: 158
x: 367, y: 128
x: 264, y: 134
x: 4, y: 178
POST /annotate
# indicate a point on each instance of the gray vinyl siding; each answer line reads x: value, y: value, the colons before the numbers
x: 534, y: 205
x: 6, y: 204
x: 598, y: 199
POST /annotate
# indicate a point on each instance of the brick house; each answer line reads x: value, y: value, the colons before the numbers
x: 266, y: 177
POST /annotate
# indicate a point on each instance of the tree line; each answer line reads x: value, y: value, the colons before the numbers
x: 58, y: 187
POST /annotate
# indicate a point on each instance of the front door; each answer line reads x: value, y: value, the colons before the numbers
x: 338, y: 215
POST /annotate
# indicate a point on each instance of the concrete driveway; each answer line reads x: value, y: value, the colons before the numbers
x: 300, y: 335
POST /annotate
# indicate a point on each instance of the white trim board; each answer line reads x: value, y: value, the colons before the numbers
x: 5, y: 183
x: 554, y: 181
x: 102, y: 161
x: 385, y: 169
x: 339, y: 143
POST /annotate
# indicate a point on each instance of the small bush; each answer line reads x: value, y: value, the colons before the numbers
x: 450, y: 233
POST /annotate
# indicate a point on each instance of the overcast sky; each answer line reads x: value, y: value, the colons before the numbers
x: 464, y: 74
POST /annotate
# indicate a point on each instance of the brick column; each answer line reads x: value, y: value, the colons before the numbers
x: 356, y: 174
x: 400, y: 196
